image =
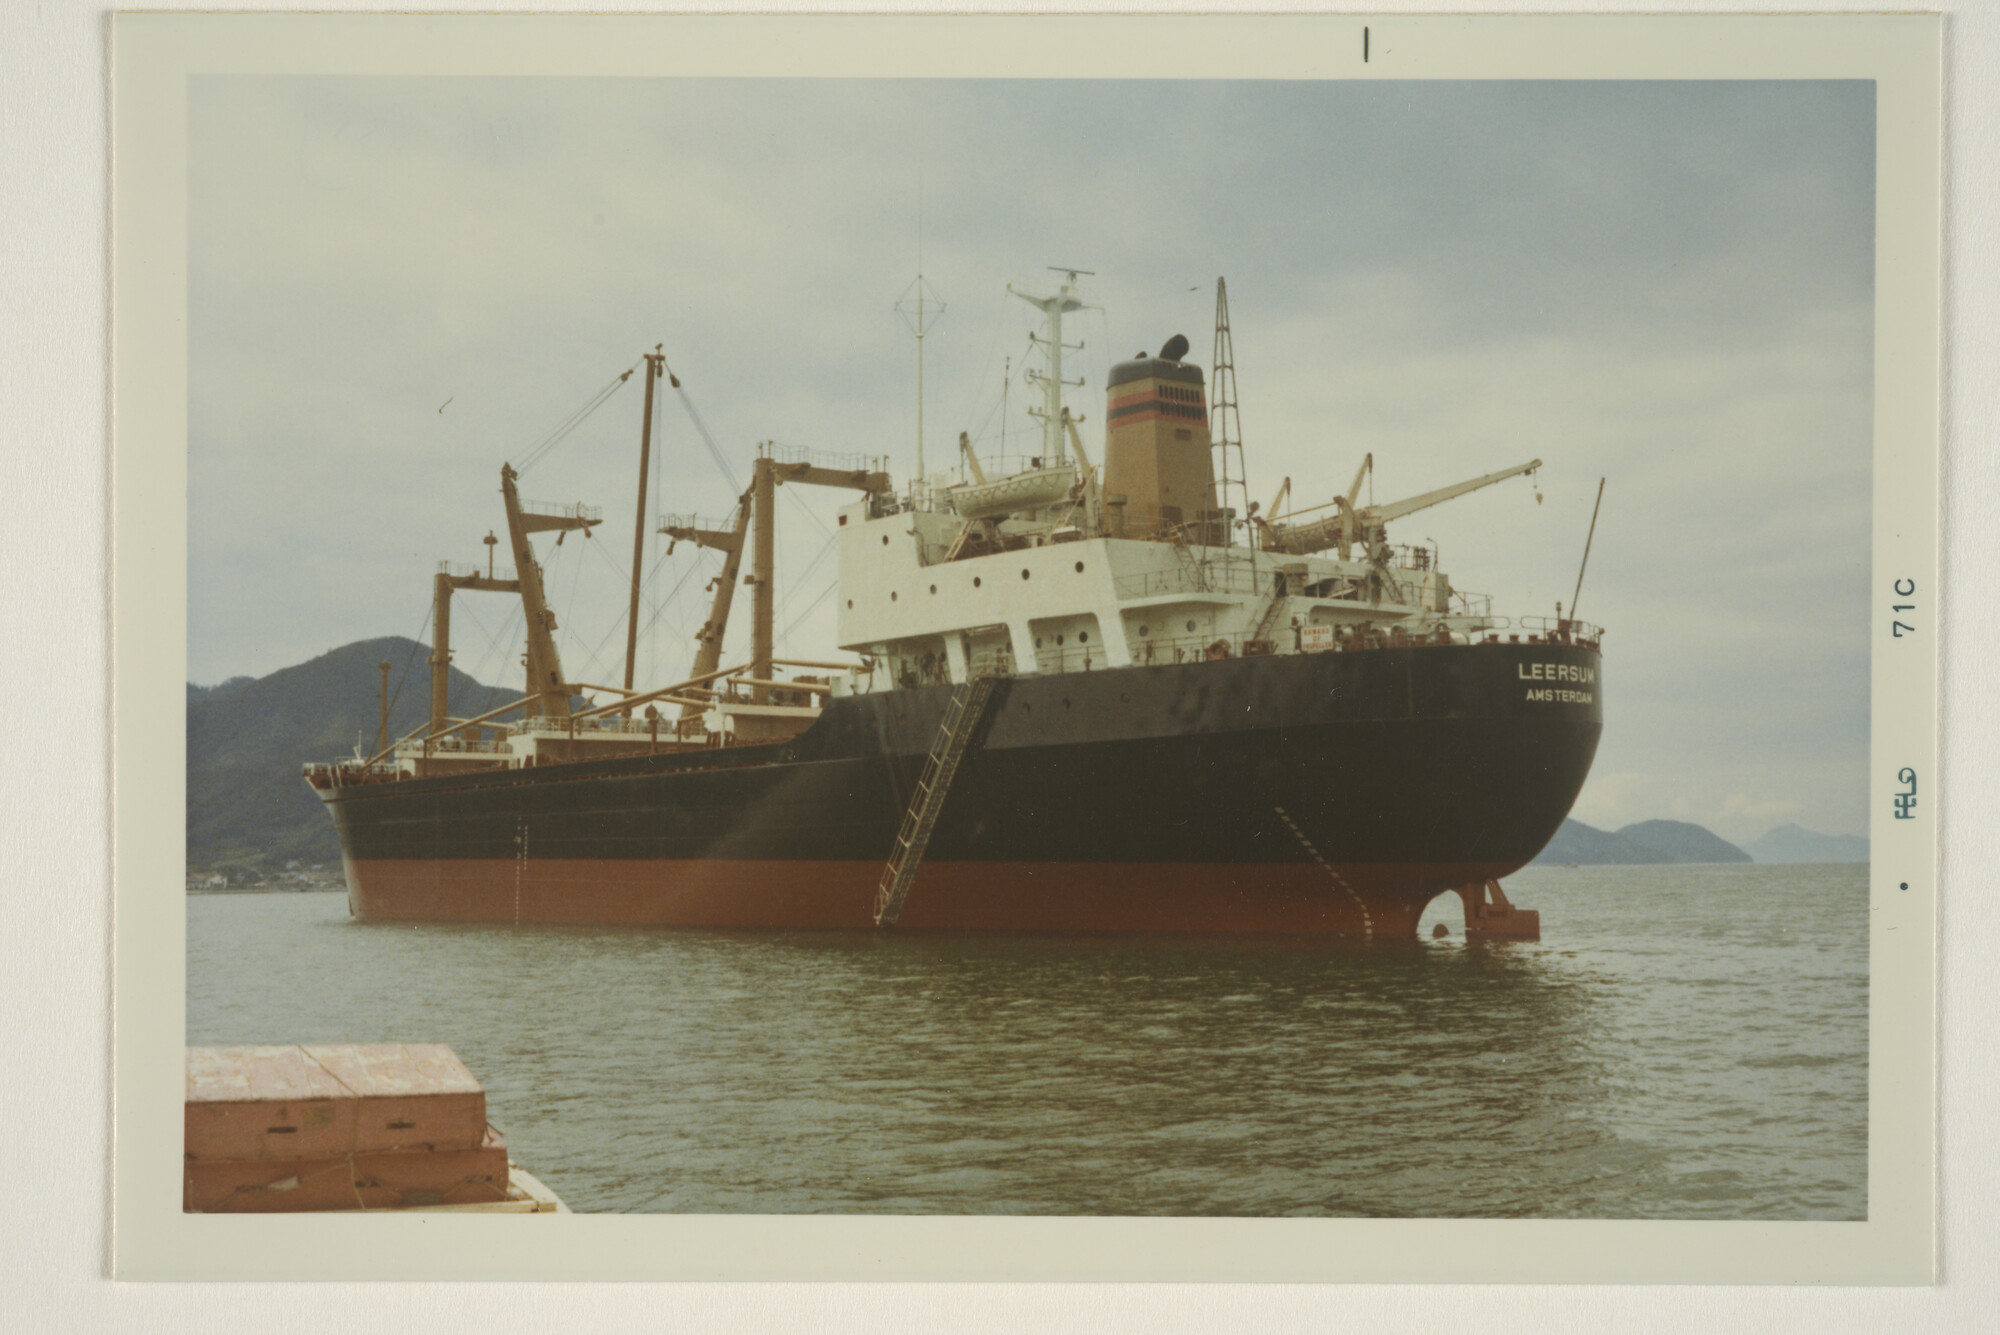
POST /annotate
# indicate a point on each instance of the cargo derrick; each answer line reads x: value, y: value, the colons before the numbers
x: 1081, y: 698
x: 1366, y: 526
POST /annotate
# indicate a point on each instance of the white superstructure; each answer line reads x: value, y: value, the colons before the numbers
x: 1053, y: 567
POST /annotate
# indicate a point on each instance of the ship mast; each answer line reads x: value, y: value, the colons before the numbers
x: 1053, y: 308
x: 920, y: 308
x: 655, y: 360
x: 1226, y: 423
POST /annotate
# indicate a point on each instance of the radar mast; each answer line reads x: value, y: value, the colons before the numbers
x: 1053, y: 308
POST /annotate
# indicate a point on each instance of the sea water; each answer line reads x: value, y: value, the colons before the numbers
x: 1685, y: 1042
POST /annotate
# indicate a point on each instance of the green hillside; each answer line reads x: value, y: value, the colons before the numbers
x: 247, y: 807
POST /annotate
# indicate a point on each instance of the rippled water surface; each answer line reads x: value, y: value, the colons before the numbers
x: 1685, y: 1042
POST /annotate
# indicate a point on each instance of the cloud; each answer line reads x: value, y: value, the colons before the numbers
x: 1668, y: 285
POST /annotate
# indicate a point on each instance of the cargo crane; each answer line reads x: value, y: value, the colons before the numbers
x: 756, y: 516
x: 1367, y: 525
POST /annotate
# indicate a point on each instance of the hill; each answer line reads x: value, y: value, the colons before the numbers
x: 247, y: 807
x: 1792, y: 843
x: 1682, y: 842
x: 1648, y: 843
x: 1587, y: 846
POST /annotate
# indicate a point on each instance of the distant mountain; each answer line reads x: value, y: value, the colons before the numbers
x: 1682, y: 842
x: 247, y: 807
x: 1791, y: 843
x: 1586, y: 846
x: 1651, y: 842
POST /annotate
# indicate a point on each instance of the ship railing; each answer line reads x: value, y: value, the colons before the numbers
x: 1406, y: 556
x: 1157, y: 650
x: 991, y: 663
x: 460, y: 570
x: 707, y: 522
x: 995, y: 467
x: 455, y: 744
x: 1563, y: 630
x: 589, y: 514
x: 590, y: 727
x: 322, y: 773
x: 827, y: 459
x: 1153, y: 650
x: 1294, y: 639
x: 1465, y: 604
x: 1195, y: 577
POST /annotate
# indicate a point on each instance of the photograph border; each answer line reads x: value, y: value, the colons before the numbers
x: 153, y: 57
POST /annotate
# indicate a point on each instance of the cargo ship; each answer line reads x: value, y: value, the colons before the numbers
x: 1081, y: 691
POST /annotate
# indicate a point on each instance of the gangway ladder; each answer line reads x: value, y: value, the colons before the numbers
x: 961, y: 719
x: 1267, y: 624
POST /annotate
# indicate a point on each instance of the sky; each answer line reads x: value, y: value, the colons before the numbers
x: 397, y: 284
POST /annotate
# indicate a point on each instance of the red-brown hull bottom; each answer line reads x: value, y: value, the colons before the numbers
x: 1377, y: 901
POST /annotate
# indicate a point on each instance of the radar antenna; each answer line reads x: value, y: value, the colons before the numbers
x: 920, y: 306
x: 1053, y: 308
x: 912, y: 307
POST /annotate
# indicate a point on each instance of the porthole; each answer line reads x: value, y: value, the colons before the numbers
x: 885, y: 540
x: 1058, y: 641
x: 1190, y: 627
x: 1024, y: 574
x: 1079, y: 567
x: 1065, y: 704
x: 1083, y: 637
x: 933, y: 588
x: 1038, y: 641
x: 975, y: 581
x: 850, y: 602
x: 892, y: 595
x: 1143, y: 630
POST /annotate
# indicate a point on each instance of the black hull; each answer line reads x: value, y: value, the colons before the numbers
x: 1380, y: 776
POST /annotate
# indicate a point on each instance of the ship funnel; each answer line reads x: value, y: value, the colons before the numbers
x: 1156, y: 448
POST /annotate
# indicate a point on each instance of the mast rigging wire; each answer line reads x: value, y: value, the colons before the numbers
x: 493, y: 644
x: 506, y: 644
x: 709, y: 440
x: 403, y: 677
x: 799, y: 580
x: 816, y: 521
x: 541, y: 448
x: 977, y: 389
x: 812, y: 606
